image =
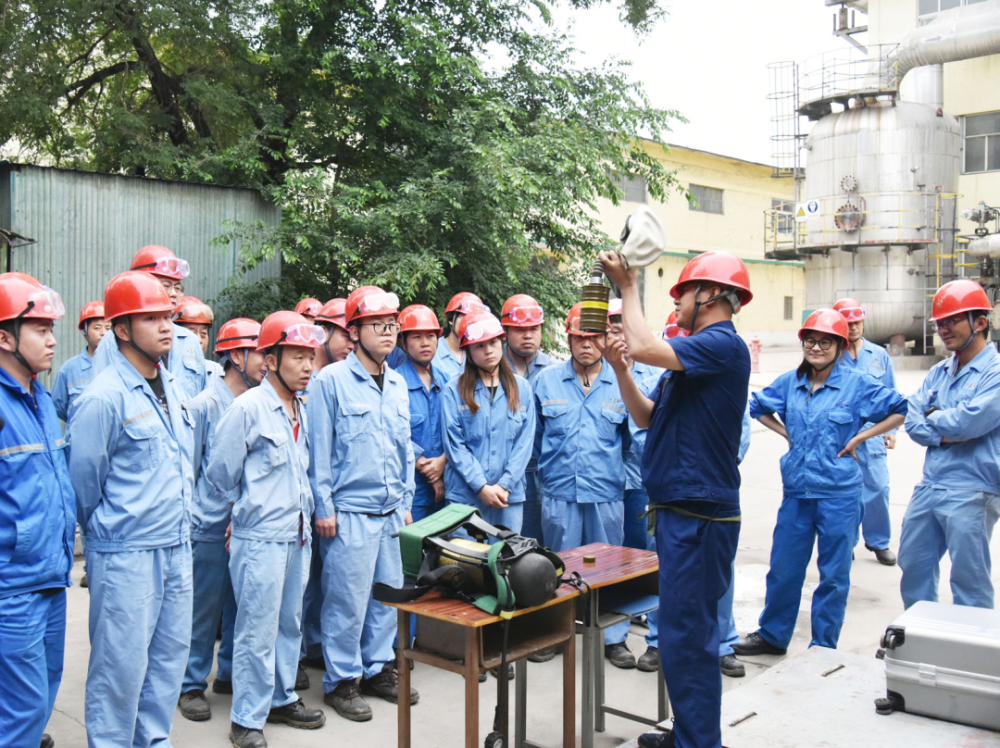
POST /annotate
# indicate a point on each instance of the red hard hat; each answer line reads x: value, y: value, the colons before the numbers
x: 160, y: 261
x: 289, y: 328
x: 573, y: 322
x: 716, y: 267
x: 370, y: 301
x: 959, y: 296
x: 194, y: 311
x: 133, y: 292
x: 309, y: 306
x: 419, y: 318
x: 237, y: 333
x: 673, y: 330
x: 521, y: 310
x: 91, y: 310
x: 463, y: 302
x: 851, y: 309
x: 826, y: 321
x: 24, y: 297
x: 477, y: 327
x: 333, y: 312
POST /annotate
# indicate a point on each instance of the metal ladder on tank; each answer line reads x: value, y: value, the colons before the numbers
x: 944, y: 261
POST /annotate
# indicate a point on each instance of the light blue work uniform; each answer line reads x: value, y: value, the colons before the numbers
x: 71, y: 380
x: 37, y: 526
x: 446, y: 362
x: 531, y: 524
x: 131, y: 468
x: 425, y: 432
x: 822, y: 494
x: 489, y: 447
x: 213, y: 373
x: 582, y: 442
x: 186, y: 361
x: 213, y: 589
x: 728, y: 635
x: 260, y: 467
x: 361, y: 470
x: 955, y: 506
x: 876, y: 528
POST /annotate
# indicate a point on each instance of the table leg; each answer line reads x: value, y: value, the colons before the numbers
x: 663, y: 698
x: 471, y: 687
x: 569, y: 690
x: 599, y: 697
x: 587, y: 712
x: 403, y: 711
x: 520, y: 702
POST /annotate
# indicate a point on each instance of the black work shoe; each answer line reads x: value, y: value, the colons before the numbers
x: 883, y: 555
x: 385, y: 685
x: 301, y: 678
x: 222, y: 686
x: 83, y: 583
x: 649, y: 662
x: 731, y: 667
x: 544, y: 656
x: 656, y: 740
x: 47, y: 741
x: 346, y: 699
x: 318, y: 663
x: 245, y: 737
x: 194, y: 706
x: 620, y: 655
x: 510, y: 672
x: 482, y: 677
x: 298, y: 715
x: 755, y: 644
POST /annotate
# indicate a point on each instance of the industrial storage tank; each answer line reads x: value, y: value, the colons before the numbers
x: 881, y: 210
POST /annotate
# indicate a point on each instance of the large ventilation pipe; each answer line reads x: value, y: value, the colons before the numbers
x: 957, y: 34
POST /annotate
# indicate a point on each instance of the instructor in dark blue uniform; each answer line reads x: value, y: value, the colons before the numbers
x: 690, y: 472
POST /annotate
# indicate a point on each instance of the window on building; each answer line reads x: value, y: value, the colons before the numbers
x: 708, y: 199
x: 982, y: 142
x: 789, y: 307
x: 633, y: 187
x: 786, y: 221
x: 927, y: 10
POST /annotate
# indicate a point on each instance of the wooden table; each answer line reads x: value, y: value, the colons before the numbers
x: 459, y: 637
x: 625, y: 577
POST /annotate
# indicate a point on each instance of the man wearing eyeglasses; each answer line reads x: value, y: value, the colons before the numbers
x: 864, y: 356
x: 956, y: 415
x: 361, y: 471
x: 185, y: 359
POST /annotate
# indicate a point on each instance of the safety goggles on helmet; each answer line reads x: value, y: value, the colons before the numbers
x: 172, y: 267
x: 378, y: 302
x: 310, y: 336
x: 525, y: 315
x: 467, y: 306
x: 483, y: 329
x: 44, y: 303
x: 852, y: 313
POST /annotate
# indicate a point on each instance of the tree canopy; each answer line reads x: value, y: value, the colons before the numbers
x: 426, y: 145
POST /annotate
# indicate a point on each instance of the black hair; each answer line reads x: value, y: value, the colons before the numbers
x: 976, y: 314
x: 805, y: 367
x: 9, y: 326
x: 615, y: 319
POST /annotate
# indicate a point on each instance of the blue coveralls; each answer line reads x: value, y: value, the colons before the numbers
x: 955, y: 506
x: 425, y: 432
x: 37, y: 528
x: 213, y: 373
x: 531, y: 524
x: 186, y: 361
x: 361, y: 470
x: 446, y: 362
x: 822, y: 494
x: 728, y: 635
x: 876, y: 528
x: 131, y: 467
x: 260, y: 467
x: 213, y: 589
x: 490, y: 447
x: 71, y: 380
x: 689, y: 469
x: 581, y: 443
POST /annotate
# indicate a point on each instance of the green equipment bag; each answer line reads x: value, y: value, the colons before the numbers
x: 498, y: 571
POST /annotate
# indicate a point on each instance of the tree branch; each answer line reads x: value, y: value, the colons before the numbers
x: 80, y: 87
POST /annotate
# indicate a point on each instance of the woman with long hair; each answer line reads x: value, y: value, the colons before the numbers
x: 822, y: 406
x: 488, y: 416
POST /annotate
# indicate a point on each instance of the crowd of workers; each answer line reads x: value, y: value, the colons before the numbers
x: 262, y: 495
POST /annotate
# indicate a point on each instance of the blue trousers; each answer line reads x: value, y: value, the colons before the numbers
x: 312, y: 604
x: 32, y: 640
x: 728, y: 635
x: 832, y: 524
x: 140, y: 634
x: 531, y: 526
x: 567, y: 524
x: 636, y: 535
x: 358, y: 632
x: 959, y: 522
x: 213, y: 602
x: 696, y: 562
x: 423, y: 502
x: 268, y: 580
x: 875, y: 527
